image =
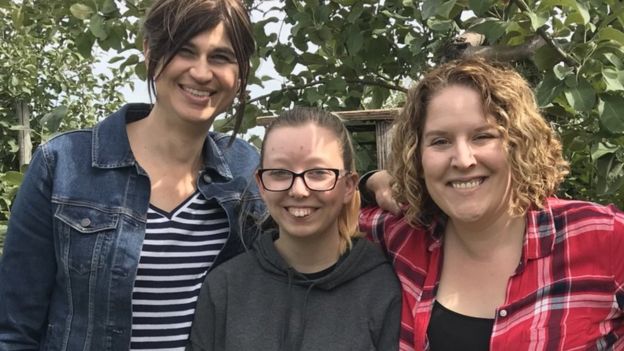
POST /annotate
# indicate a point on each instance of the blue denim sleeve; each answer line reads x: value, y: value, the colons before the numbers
x: 28, y: 265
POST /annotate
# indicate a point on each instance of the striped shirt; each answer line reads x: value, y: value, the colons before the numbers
x: 178, y: 250
x: 566, y: 294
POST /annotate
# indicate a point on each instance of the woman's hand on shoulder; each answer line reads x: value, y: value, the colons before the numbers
x: 380, y: 184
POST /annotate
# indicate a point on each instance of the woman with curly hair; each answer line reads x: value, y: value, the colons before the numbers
x: 488, y: 259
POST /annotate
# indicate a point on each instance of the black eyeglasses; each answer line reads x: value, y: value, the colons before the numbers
x: 315, y: 179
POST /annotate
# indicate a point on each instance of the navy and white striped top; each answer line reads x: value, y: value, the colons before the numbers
x: 178, y: 249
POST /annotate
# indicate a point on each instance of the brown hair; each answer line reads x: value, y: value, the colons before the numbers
x: 534, y: 151
x: 171, y: 24
x: 298, y: 116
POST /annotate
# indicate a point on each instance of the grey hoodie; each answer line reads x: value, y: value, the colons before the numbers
x: 257, y: 302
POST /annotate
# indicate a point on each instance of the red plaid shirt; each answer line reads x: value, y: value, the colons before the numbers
x: 566, y: 294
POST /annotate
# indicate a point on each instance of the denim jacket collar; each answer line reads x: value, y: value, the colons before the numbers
x: 111, y: 147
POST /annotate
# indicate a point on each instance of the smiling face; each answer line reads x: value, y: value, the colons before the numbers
x: 300, y: 212
x: 201, y: 80
x: 464, y: 161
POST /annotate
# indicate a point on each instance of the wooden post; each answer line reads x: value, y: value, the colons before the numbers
x: 383, y: 131
x: 23, y: 136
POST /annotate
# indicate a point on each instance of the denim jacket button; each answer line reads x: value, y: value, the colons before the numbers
x: 207, y: 178
x: 85, y: 222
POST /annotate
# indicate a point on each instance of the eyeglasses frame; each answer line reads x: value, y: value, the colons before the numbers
x: 336, y: 172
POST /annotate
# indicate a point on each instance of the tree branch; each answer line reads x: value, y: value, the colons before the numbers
x: 319, y: 82
x: 542, y: 33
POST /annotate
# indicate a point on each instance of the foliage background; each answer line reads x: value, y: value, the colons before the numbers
x: 339, y: 55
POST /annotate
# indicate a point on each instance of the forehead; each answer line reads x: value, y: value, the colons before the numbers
x: 307, y: 143
x: 456, y: 106
x: 216, y: 36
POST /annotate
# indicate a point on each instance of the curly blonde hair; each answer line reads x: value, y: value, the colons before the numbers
x: 533, y: 149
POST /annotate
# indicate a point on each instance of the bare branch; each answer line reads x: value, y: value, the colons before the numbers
x: 319, y: 82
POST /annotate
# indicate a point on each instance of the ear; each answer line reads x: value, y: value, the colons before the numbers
x: 351, y: 182
x: 145, y: 50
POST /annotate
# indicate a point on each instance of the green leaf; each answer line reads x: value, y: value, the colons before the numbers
x: 355, y: 41
x: 610, y: 33
x: 611, y: 177
x: 582, y: 97
x: 611, y: 116
x: 52, y: 120
x: 536, y: 20
x: 561, y: 71
x: 614, y: 79
x: 429, y: 8
x: 548, y: 89
x: 492, y: 29
x: 579, y: 13
x: 601, y: 149
x: 444, y: 9
x: 109, y: 7
x: 13, y: 178
x: 355, y: 13
x: 97, y: 27
x: 312, y: 59
x: 480, y: 7
x: 81, y: 11
x: 140, y: 70
x: 546, y: 57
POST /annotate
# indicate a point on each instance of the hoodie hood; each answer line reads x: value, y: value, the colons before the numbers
x: 362, y: 258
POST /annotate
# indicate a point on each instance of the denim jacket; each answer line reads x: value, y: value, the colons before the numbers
x: 76, y: 232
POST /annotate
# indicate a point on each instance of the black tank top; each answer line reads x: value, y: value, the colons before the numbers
x: 450, y: 330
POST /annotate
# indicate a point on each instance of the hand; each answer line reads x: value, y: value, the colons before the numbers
x: 379, y: 184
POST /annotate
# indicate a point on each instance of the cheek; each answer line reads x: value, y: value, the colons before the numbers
x: 432, y: 164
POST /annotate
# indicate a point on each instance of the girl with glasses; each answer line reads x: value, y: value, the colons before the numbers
x: 311, y: 283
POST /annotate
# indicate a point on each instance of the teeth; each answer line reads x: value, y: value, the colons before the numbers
x: 466, y: 185
x: 200, y: 93
x: 299, y: 212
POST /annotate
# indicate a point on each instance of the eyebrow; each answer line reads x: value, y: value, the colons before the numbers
x: 438, y: 132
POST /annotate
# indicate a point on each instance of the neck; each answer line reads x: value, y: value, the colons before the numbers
x: 172, y: 143
x: 485, y: 242
x: 309, y: 255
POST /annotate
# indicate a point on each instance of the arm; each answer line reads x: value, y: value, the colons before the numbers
x: 28, y: 266
x: 204, y: 335
x: 391, y: 326
x: 376, y: 189
x: 616, y: 253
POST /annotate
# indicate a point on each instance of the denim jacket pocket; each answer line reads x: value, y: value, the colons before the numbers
x: 86, y: 234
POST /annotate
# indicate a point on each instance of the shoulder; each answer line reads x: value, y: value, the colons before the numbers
x: 238, y: 146
x: 382, y: 273
x: 237, y: 267
x: 583, y: 213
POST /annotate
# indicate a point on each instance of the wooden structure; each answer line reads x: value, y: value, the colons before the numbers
x: 375, y: 121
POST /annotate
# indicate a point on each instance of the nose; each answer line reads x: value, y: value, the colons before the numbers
x: 201, y: 71
x: 298, y: 188
x: 463, y: 156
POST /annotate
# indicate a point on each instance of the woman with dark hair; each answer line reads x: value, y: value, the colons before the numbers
x: 115, y: 227
x: 312, y: 283
x: 487, y: 257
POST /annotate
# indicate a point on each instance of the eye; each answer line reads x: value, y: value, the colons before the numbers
x: 438, y: 141
x: 278, y: 174
x: 319, y: 174
x: 484, y: 136
x: 185, y: 51
x: 222, y: 58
